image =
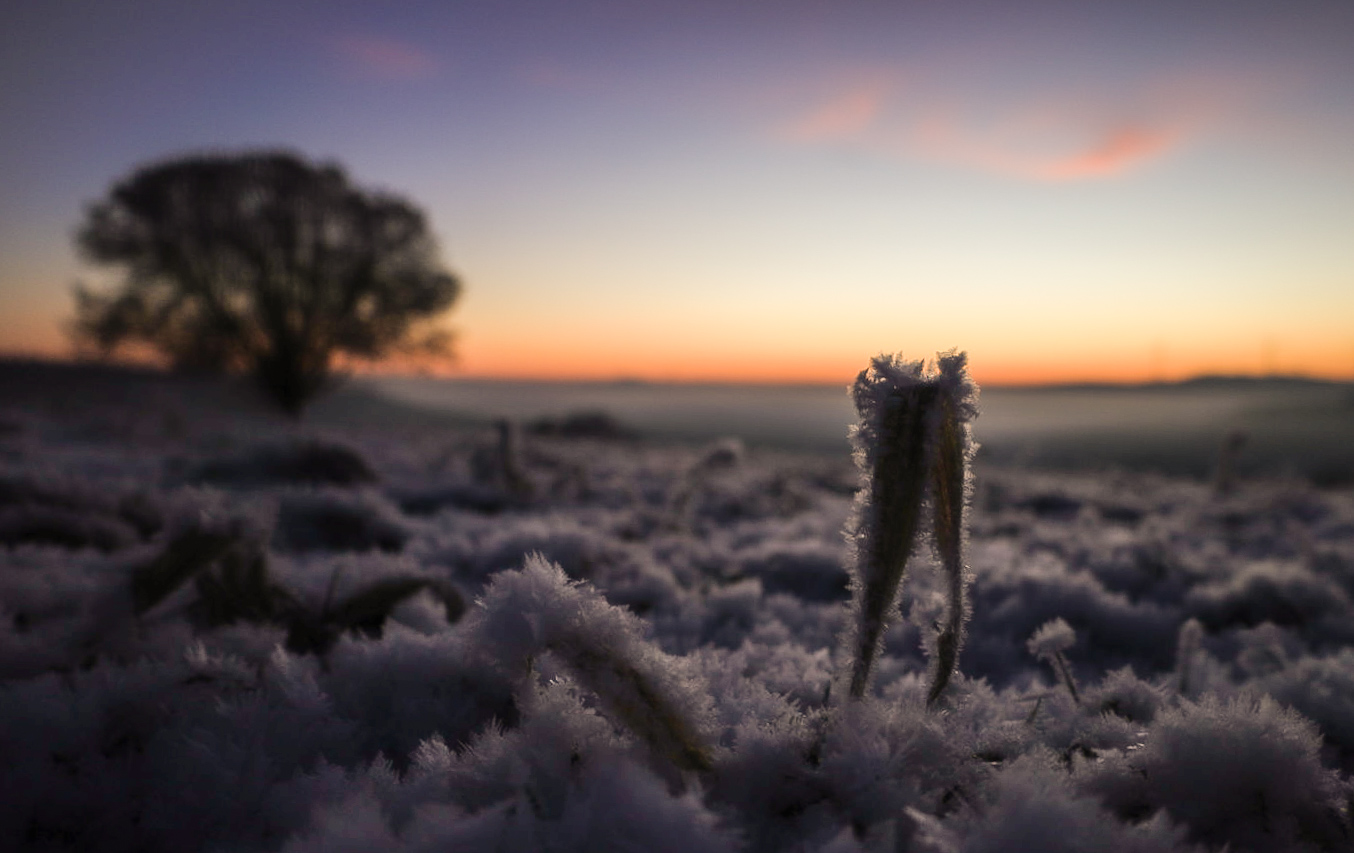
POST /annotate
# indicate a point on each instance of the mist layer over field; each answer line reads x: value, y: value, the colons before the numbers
x: 396, y: 626
x: 1292, y: 426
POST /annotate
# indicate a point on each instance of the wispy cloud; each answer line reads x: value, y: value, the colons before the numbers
x: 386, y: 58
x: 847, y: 115
x: 1115, y: 151
x: 1053, y: 148
x: 1044, y: 141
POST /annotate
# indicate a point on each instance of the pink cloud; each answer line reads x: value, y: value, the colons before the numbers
x: 386, y: 58
x: 1116, y: 151
x: 1058, y: 141
x: 1037, y: 147
x: 846, y: 116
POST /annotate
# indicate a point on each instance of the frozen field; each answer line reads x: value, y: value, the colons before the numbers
x: 222, y: 631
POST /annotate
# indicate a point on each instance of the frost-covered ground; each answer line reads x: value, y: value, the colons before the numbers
x: 221, y: 631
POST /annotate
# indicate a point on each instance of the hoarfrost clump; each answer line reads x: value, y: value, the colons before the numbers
x: 1033, y: 805
x: 879, y: 759
x: 338, y: 521
x: 311, y: 462
x: 1322, y: 690
x: 607, y: 803
x: 1125, y: 695
x: 576, y: 546
x: 810, y: 569
x: 411, y: 687
x: 49, y: 509
x: 1019, y: 589
x: 1245, y: 772
x: 1283, y: 593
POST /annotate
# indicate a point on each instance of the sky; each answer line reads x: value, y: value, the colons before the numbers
x: 715, y: 191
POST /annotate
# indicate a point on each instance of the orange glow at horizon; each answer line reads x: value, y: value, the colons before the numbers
x: 833, y: 368
x: 651, y: 354
x: 788, y: 369
x: 31, y: 333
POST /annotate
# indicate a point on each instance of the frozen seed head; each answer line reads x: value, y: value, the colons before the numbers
x: 956, y: 385
x: 1052, y: 639
x: 878, y: 391
x: 912, y: 441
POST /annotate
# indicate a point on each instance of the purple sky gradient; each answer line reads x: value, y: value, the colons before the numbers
x: 689, y: 190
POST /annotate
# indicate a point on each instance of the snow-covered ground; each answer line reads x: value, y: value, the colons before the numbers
x: 223, y: 631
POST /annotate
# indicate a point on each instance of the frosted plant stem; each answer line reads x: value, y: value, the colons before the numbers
x: 913, y: 434
x: 538, y: 609
x: 510, y: 468
x: 949, y: 495
x: 1063, y: 672
x: 1048, y: 643
x: 896, y: 488
x: 1034, y: 712
x: 1187, y: 647
x: 329, y: 590
x: 1224, y: 481
x: 636, y: 701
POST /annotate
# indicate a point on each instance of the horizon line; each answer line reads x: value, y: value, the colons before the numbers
x: 414, y: 373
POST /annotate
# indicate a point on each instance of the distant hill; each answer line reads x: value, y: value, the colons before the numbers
x: 1197, y: 383
x: 44, y: 384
